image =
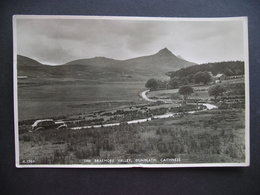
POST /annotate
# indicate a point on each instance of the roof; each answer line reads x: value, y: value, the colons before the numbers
x: 219, y: 75
x: 38, y: 121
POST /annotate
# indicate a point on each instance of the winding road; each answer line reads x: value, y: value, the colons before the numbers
x: 144, y: 96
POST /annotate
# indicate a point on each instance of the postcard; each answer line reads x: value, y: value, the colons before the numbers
x: 119, y: 92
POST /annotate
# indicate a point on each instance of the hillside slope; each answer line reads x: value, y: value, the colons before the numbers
x: 228, y: 68
x: 157, y: 64
x: 140, y: 68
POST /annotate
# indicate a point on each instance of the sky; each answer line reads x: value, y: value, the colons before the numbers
x: 58, y: 41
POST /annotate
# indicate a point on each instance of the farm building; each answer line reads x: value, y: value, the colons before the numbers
x: 219, y: 77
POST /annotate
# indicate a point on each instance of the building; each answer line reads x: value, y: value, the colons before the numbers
x: 219, y: 78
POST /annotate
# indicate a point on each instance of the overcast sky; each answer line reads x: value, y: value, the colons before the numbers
x: 57, y: 41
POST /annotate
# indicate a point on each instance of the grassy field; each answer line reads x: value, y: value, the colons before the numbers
x: 41, y: 100
x: 205, y: 137
x: 210, y: 136
x: 199, y: 93
x: 63, y: 97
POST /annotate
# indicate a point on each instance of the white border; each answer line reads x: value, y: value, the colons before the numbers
x: 247, y: 92
x: 247, y: 99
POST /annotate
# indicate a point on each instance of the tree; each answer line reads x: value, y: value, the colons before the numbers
x: 161, y: 84
x: 216, y: 91
x: 152, y: 84
x: 173, y: 83
x: 184, y: 81
x: 190, y: 78
x: 203, y: 77
x: 185, y: 91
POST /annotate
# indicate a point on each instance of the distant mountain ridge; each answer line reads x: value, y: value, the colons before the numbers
x: 139, y: 68
x: 96, y: 61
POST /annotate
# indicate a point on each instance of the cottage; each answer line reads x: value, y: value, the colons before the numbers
x: 219, y: 78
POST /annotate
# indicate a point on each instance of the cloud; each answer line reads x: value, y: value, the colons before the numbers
x: 58, y: 41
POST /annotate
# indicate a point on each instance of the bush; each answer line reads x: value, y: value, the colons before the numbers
x: 216, y: 91
x: 152, y: 84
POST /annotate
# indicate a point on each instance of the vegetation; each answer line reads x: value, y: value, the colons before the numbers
x: 200, y: 73
x: 151, y: 84
x: 213, y: 136
x: 173, y: 83
x: 197, y: 74
x: 64, y: 98
x: 154, y: 84
x: 202, y: 77
x: 216, y: 91
x: 228, y: 68
x: 205, y: 136
x: 98, y: 95
x: 185, y: 91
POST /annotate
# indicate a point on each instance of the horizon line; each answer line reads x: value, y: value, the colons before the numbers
x: 87, y: 58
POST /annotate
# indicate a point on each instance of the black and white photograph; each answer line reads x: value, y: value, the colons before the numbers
x: 119, y: 92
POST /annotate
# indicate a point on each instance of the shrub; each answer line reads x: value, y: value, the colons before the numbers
x: 216, y: 91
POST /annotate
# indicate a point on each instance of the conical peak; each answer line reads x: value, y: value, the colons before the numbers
x: 165, y: 51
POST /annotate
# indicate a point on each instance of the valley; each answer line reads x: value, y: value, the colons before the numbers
x: 110, y: 114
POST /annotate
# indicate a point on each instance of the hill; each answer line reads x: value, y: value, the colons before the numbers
x: 104, y: 68
x: 159, y: 63
x: 29, y: 67
x: 90, y: 69
x: 96, y: 61
x: 228, y: 68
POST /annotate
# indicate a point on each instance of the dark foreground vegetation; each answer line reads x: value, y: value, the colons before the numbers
x: 206, y: 137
